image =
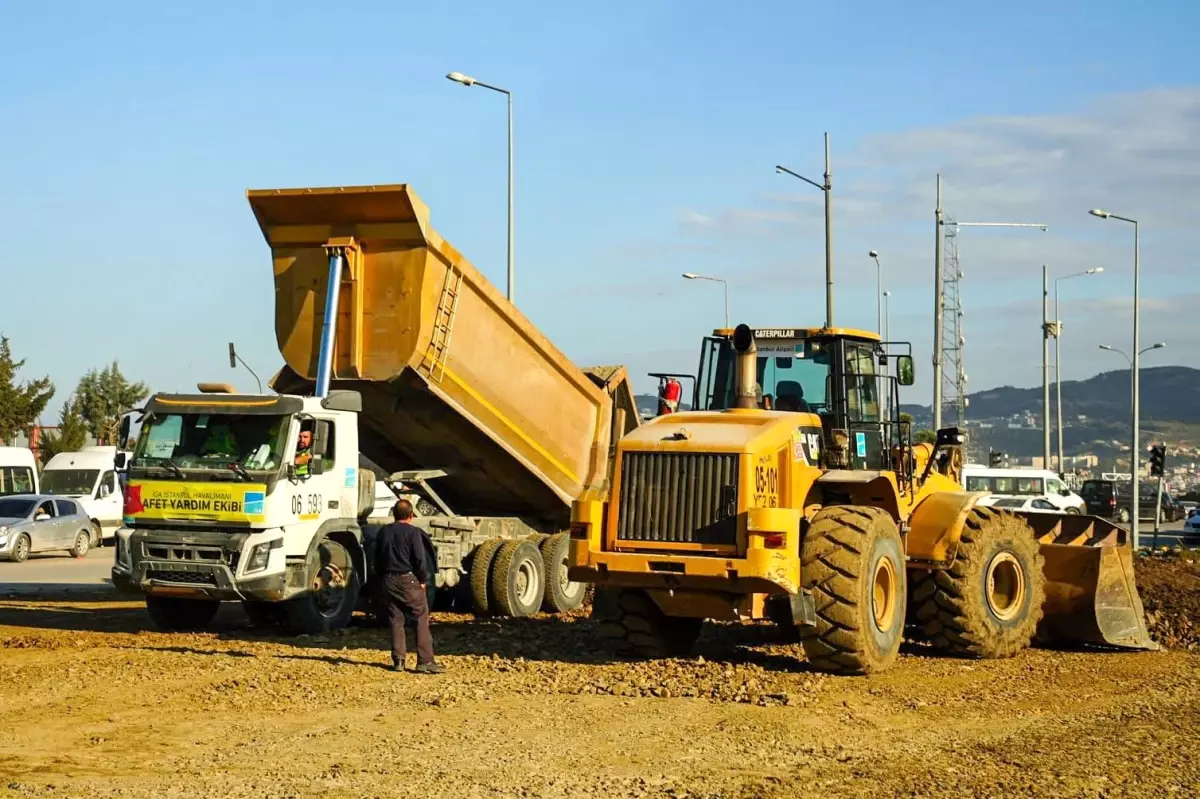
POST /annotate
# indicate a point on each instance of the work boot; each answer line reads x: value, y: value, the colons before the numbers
x: 398, y: 666
x: 432, y: 667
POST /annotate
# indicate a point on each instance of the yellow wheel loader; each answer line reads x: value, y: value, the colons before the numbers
x: 793, y: 492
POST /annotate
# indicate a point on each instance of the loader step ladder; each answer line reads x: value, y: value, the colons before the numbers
x: 437, y: 353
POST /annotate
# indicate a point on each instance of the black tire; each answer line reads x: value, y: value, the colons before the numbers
x: 263, y: 614
x: 852, y: 560
x: 518, y: 579
x: 1073, y: 511
x: 332, y: 591
x: 637, y: 628
x: 481, y: 574
x: 97, y: 534
x: 1123, y: 516
x: 20, y: 550
x: 988, y: 603
x: 561, y: 595
x: 83, y: 542
x: 172, y: 614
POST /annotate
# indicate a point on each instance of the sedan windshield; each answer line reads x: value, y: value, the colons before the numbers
x: 213, y: 442
x: 69, y: 482
x: 11, y: 508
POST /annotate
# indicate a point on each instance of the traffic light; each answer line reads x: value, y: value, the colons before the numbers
x: 1158, y: 459
x: 995, y: 459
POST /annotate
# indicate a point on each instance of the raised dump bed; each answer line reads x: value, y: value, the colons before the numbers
x: 452, y: 375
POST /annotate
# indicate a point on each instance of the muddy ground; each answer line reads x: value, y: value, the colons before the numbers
x: 94, y: 703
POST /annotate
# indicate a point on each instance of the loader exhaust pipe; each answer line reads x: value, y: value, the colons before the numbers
x: 747, y: 367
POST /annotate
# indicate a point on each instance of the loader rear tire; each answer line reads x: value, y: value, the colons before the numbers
x: 638, y: 629
x: 481, y: 574
x: 988, y: 603
x: 852, y: 560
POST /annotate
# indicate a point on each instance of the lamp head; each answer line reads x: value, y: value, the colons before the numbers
x: 1098, y: 212
x: 1106, y: 347
x: 458, y: 77
x: 690, y: 275
x: 873, y: 254
x: 1095, y: 271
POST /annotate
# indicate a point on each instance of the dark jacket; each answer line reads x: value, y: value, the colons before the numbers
x: 399, y: 548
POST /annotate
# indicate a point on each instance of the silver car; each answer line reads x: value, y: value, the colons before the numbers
x: 41, y: 523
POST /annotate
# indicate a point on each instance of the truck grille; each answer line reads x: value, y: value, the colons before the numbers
x: 678, y: 498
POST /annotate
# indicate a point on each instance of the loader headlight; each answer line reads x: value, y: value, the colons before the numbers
x: 261, y: 555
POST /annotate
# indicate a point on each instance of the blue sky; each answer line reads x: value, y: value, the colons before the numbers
x: 646, y: 136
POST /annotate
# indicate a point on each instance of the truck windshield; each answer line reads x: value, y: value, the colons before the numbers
x: 793, y: 373
x: 212, y: 442
x: 69, y: 482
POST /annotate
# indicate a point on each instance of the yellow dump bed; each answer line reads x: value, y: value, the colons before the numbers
x: 452, y: 375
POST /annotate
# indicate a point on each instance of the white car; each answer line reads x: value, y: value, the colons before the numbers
x: 1027, y: 503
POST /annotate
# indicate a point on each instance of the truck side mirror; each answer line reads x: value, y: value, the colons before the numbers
x: 123, y: 434
x: 317, y: 465
x: 119, y: 461
x: 904, y: 370
x: 321, y: 438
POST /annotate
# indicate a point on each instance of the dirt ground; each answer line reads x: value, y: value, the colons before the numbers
x: 94, y: 703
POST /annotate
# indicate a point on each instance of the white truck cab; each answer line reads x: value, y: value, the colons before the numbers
x: 18, y: 471
x: 90, y: 477
x: 1024, y: 484
x: 253, y: 498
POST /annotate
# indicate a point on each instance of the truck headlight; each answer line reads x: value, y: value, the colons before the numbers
x: 261, y: 554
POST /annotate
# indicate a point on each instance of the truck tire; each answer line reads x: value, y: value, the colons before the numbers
x: 637, y: 628
x: 852, y: 560
x: 561, y: 595
x: 518, y: 579
x: 988, y: 603
x: 333, y: 585
x: 171, y: 614
x: 481, y: 574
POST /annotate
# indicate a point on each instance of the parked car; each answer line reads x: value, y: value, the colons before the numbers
x: 39, y: 523
x: 1112, y: 499
x: 1029, y: 503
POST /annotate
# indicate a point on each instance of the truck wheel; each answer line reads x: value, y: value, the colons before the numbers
x: 481, y: 570
x: 561, y: 594
x: 852, y: 560
x: 83, y: 541
x: 263, y: 614
x: 518, y: 579
x: 332, y: 593
x: 988, y: 603
x: 637, y: 628
x: 171, y: 614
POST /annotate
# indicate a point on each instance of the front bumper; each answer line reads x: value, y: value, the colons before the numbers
x: 197, y: 565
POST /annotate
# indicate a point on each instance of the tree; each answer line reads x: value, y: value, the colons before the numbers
x: 925, y: 437
x: 906, y: 417
x: 71, y: 436
x: 20, y: 404
x: 104, y: 397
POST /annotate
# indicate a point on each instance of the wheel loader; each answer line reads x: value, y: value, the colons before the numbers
x: 794, y: 492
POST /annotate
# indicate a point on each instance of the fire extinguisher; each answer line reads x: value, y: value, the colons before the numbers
x: 669, y: 392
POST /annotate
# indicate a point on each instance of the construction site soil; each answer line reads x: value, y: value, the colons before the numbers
x: 95, y: 703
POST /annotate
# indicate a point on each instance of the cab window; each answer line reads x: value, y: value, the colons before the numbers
x: 862, y: 386
x: 16, y: 480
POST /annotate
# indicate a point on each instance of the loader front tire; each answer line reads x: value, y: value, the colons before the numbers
x: 638, y: 629
x: 852, y: 560
x: 988, y: 603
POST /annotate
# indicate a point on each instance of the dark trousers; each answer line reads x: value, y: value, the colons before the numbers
x: 404, y: 595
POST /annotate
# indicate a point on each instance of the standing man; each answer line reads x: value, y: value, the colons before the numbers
x: 400, y: 556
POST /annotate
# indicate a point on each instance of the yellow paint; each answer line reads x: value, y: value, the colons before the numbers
x: 935, y: 526
x: 810, y: 332
x: 224, y: 403
x: 169, y: 501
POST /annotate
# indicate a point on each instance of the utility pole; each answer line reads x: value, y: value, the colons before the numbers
x: 937, y: 309
x: 828, y: 237
x: 1045, y: 368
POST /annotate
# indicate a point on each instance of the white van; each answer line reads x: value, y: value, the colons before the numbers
x: 90, y: 477
x: 1023, y: 483
x: 18, y: 471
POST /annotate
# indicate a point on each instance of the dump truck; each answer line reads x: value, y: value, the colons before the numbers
x: 794, y: 492
x: 396, y: 349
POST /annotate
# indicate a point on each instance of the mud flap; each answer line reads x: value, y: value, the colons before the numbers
x: 1091, y: 594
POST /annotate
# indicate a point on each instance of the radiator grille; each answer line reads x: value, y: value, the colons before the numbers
x: 680, y: 498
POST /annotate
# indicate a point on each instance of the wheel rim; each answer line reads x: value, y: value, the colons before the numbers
x: 22, y: 548
x: 81, y: 543
x: 565, y: 584
x: 1005, y: 586
x: 329, y: 583
x: 883, y: 594
x: 527, y: 582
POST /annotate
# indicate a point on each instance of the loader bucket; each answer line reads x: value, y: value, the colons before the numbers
x: 1091, y: 596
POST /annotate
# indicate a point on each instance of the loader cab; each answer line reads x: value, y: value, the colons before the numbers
x: 834, y: 374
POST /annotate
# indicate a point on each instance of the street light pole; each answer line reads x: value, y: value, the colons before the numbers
x: 887, y: 336
x: 827, y: 187
x: 467, y: 80
x: 1058, y: 327
x: 722, y: 281
x: 1045, y: 371
x: 1135, y: 364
